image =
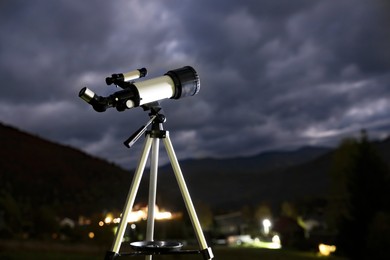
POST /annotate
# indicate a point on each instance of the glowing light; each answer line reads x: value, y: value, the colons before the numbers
x: 326, y: 250
x: 274, y: 244
x: 91, y: 235
x: 276, y: 239
x: 266, y: 225
x: 108, y: 219
x: 115, y: 229
x: 83, y: 221
x: 138, y: 215
x: 163, y: 215
x: 142, y: 214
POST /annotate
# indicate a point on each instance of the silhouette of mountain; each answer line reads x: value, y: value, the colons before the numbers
x: 38, y: 172
x: 270, y: 176
x: 273, y: 177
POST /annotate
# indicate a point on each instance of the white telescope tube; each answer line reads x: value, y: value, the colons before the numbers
x: 155, y: 89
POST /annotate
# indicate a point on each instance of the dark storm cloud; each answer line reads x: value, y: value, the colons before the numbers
x: 274, y: 74
x: 43, y: 43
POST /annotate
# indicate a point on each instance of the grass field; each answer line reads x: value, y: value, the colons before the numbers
x: 221, y: 253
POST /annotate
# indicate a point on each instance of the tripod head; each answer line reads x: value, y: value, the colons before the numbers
x: 156, y: 120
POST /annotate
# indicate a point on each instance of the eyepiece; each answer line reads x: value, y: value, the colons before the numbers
x: 86, y: 94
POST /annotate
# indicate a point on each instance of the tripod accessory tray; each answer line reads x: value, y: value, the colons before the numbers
x: 159, y: 248
x: 156, y: 246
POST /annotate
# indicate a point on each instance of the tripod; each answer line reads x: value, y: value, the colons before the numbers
x: 149, y: 247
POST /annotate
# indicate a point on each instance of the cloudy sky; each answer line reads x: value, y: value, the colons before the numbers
x: 274, y: 74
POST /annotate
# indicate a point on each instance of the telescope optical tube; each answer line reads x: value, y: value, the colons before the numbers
x: 175, y: 84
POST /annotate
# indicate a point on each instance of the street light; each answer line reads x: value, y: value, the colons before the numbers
x: 266, y: 226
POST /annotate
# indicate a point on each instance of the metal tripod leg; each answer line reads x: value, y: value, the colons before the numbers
x: 130, y: 200
x: 187, y: 198
x: 152, y: 192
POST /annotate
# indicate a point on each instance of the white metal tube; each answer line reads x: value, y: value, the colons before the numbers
x: 152, y: 190
x: 185, y: 193
x: 131, y: 75
x: 155, y: 89
x: 131, y: 196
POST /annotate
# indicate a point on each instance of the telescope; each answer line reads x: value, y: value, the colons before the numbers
x: 174, y: 84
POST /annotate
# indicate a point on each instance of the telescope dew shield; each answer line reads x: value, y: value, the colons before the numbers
x: 186, y: 82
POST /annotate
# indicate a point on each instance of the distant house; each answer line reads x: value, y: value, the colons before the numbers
x: 230, y: 224
x: 67, y: 222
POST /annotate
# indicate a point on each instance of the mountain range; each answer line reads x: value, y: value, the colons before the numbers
x: 36, y: 172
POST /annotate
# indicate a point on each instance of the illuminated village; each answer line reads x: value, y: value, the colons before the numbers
x: 266, y: 238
